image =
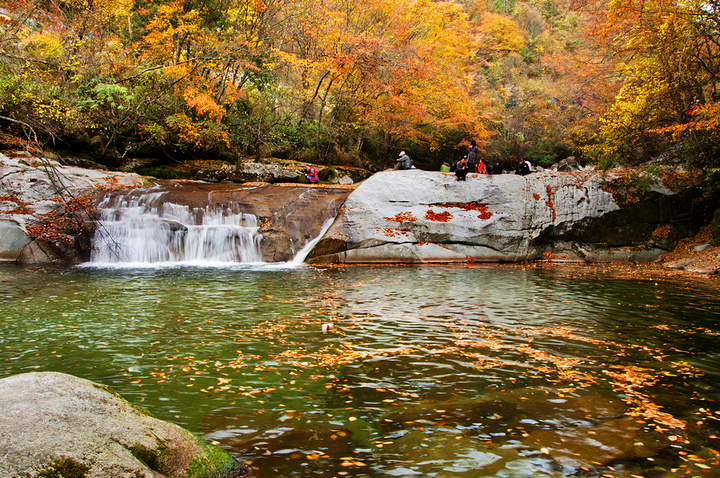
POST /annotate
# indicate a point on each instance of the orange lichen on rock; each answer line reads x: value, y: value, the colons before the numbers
x: 549, y: 202
x: 390, y: 232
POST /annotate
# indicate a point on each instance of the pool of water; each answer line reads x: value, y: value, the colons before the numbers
x: 438, y: 371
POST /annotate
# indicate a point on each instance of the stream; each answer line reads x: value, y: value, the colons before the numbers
x: 427, y: 371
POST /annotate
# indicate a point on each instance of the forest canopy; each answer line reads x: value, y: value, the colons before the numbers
x: 352, y: 82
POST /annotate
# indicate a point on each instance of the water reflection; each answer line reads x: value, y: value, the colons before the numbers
x: 427, y: 371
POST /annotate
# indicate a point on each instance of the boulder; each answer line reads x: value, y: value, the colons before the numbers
x: 53, y: 424
x: 567, y: 165
x: 32, y: 189
x: 422, y: 216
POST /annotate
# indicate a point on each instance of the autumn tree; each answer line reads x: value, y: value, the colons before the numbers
x: 545, y: 76
x: 670, y: 69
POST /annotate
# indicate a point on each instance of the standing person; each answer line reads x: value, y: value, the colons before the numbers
x: 403, y: 161
x: 472, y: 157
x: 461, y: 169
x: 311, y: 174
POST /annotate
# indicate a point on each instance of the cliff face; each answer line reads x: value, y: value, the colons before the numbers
x: 419, y: 216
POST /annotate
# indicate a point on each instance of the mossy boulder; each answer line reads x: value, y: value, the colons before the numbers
x: 56, y: 425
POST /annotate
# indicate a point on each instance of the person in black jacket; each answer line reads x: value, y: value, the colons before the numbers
x: 461, y: 169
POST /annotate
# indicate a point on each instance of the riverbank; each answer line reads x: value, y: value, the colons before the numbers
x: 694, y: 254
x: 407, y: 217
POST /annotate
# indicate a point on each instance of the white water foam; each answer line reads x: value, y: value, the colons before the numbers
x: 141, y: 231
x: 303, y: 253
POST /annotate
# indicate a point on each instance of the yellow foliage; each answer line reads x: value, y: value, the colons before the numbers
x: 44, y: 45
x: 500, y: 35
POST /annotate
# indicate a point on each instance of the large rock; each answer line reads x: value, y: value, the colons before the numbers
x: 53, y: 424
x: 420, y: 216
x: 31, y: 190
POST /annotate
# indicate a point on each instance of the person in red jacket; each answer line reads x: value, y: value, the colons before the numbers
x: 311, y: 174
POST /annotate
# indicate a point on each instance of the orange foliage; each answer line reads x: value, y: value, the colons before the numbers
x: 431, y: 215
x: 402, y: 217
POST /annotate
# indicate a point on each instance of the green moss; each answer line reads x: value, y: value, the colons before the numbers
x: 112, y: 391
x: 215, y: 463
x: 149, y: 182
x: 148, y: 457
x: 165, y: 172
x: 64, y: 468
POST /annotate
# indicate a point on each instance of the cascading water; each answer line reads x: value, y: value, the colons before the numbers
x: 143, y: 229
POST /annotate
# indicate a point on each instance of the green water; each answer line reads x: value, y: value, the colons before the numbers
x: 425, y: 372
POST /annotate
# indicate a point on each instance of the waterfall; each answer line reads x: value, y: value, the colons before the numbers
x: 143, y: 229
x: 300, y: 256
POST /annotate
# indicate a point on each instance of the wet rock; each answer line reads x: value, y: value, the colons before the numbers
x: 610, y: 441
x: 680, y: 264
x: 53, y: 424
x: 703, y: 269
x: 289, y: 216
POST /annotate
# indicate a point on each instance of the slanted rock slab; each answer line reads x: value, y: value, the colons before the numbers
x: 54, y: 424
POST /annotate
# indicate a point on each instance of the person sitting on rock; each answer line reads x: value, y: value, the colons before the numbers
x: 523, y: 167
x: 461, y: 169
x: 403, y: 161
